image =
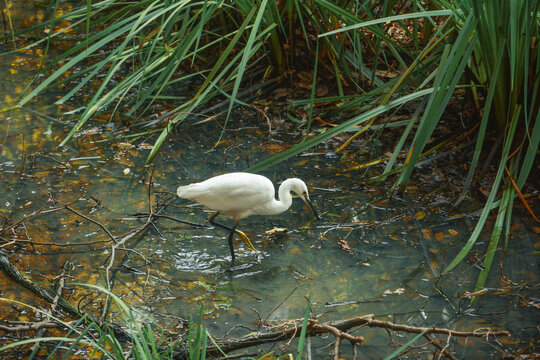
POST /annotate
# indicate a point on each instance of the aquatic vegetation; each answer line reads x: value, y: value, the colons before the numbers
x: 356, y: 70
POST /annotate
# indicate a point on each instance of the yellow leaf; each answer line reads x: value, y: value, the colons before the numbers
x: 453, y: 232
x: 428, y: 234
x: 124, y: 144
x: 275, y: 231
x: 508, y: 341
x: 420, y: 215
x: 480, y: 292
x: 301, y: 162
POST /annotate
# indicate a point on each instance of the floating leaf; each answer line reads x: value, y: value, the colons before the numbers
x: 345, y: 246
x: 440, y: 236
x: 295, y: 251
x: 301, y: 162
x: 469, y: 295
x: 398, y: 291
x: 428, y: 234
x: 276, y: 231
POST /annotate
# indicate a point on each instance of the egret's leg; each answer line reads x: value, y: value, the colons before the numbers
x: 231, y: 234
x: 211, y: 221
x: 229, y: 240
x: 233, y: 230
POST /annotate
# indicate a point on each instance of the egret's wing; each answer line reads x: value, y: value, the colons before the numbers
x: 230, y: 193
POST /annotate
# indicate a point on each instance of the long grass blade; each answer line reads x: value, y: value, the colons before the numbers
x: 384, y: 20
x: 504, y: 207
x: 404, y: 346
x: 449, y: 73
x: 248, y: 52
x: 491, y: 198
x: 329, y: 133
x: 302, y: 338
x: 483, y: 126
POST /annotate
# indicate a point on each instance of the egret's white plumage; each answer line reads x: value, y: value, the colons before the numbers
x: 239, y: 195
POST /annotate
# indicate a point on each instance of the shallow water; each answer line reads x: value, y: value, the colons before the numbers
x: 397, y: 245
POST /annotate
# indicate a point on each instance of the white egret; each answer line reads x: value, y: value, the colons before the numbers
x: 239, y: 195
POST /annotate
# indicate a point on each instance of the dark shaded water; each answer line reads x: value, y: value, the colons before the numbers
x: 370, y: 253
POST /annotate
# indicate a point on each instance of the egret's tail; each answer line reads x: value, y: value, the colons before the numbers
x: 183, y: 191
x: 191, y: 191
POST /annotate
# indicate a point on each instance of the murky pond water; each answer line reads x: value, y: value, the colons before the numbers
x: 371, y: 252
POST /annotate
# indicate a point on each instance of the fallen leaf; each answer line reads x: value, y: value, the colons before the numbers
x: 145, y: 146
x: 294, y: 251
x: 301, y: 162
x: 532, y: 303
x: 440, y: 236
x: 276, y: 231
x: 345, y: 246
x: 280, y: 93
x: 321, y: 90
x: 398, y: 291
x: 428, y: 234
x: 124, y: 145
x: 510, y: 341
x: 468, y: 295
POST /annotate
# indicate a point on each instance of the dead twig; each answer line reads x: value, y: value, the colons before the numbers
x: 31, y: 327
x: 59, y: 289
x: 28, y: 217
x: 339, y: 330
x: 103, y: 227
x: 338, y: 334
x: 443, y: 350
x: 281, y: 303
x: 47, y: 295
x: 123, y: 240
x: 157, y: 216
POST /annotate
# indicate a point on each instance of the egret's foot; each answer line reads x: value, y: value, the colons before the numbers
x: 245, y: 239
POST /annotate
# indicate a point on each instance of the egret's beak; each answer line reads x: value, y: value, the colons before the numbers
x: 305, y: 197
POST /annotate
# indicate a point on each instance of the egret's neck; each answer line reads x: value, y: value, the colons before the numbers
x: 285, y: 198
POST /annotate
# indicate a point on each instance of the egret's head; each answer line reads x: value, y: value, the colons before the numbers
x: 299, y: 188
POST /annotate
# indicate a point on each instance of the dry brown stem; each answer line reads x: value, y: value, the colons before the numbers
x: 339, y: 329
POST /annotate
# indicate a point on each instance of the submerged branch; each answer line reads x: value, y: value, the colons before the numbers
x: 339, y: 329
x: 50, y: 296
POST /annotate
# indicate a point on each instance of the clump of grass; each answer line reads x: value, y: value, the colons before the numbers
x: 85, y: 335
